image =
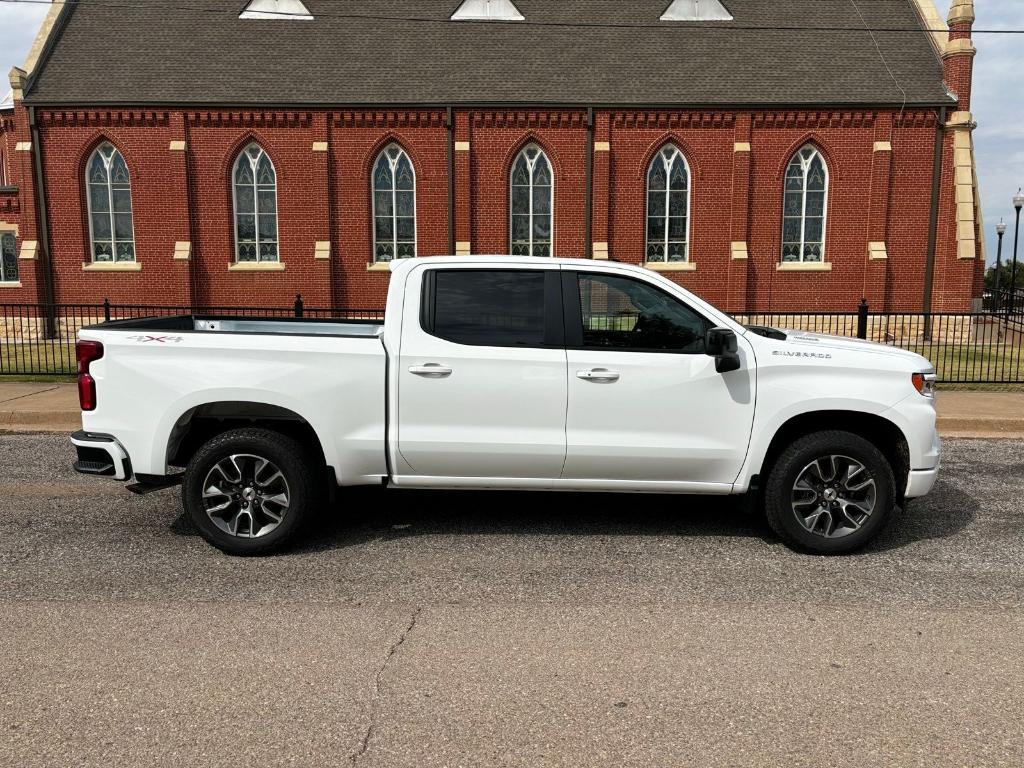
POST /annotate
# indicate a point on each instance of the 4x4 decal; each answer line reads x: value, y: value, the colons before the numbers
x: 158, y: 339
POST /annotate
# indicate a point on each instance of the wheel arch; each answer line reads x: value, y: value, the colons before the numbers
x: 878, y: 430
x: 201, y: 422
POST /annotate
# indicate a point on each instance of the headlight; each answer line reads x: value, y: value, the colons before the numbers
x: 924, y: 383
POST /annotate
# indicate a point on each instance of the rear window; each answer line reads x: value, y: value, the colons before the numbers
x: 492, y: 308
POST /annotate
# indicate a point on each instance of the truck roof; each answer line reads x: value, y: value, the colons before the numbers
x: 506, y: 259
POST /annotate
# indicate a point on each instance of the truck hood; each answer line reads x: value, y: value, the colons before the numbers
x: 806, y: 341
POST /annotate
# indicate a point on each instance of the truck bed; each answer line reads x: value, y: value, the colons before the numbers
x: 296, y: 326
x: 157, y: 374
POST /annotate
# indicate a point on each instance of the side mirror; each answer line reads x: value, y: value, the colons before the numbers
x: 720, y: 343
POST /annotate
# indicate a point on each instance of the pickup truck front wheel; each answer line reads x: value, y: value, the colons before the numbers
x: 248, y: 491
x: 829, y: 493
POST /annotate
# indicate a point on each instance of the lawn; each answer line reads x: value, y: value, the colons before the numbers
x: 37, y: 361
x: 974, y: 363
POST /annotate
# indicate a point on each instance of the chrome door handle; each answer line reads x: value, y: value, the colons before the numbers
x: 430, y: 371
x: 598, y: 374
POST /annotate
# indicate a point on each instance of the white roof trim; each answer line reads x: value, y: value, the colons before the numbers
x: 488, y: 10
x: 696, y: 10
x: 287, y: 10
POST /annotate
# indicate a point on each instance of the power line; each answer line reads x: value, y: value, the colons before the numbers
x: 689, y: 26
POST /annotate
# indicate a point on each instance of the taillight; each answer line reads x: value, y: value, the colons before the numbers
x: 86, y: 352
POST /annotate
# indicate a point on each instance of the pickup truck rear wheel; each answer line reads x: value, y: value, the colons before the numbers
x: 829, y: 493
x: 248, y: 490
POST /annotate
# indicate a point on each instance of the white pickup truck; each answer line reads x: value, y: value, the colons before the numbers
x: 508, y: 373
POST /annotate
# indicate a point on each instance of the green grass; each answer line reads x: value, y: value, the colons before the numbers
x: 33, y: 362
x: 969, y: 363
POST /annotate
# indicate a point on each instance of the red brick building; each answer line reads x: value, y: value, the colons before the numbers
x: 769, y: 156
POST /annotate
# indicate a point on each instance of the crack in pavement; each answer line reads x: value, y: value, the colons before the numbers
x: 28, y: 394
x: 364, y: 745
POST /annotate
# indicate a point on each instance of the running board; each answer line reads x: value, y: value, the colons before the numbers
x: 150, y: 483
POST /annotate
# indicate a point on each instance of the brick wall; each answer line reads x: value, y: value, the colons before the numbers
x: 736, y: 196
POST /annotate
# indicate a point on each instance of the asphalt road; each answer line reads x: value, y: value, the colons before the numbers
x: 422, y: 630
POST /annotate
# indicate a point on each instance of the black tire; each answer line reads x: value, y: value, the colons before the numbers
x: 780, y: 493
x: 296, y: 484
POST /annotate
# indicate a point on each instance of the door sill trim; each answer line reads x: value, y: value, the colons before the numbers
x: 560, y: 484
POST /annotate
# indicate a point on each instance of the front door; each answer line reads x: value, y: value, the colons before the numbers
x: 482, y: 374
x: 645, y: 401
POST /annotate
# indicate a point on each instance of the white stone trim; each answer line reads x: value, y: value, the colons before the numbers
x: 29, y: 249
x: 256, y: 266
x: 877, y: 250
x: 804, y: 266
x: 671, y: 266
x: 111, y: 266
x: 42, y: 36
x: 932, y: 20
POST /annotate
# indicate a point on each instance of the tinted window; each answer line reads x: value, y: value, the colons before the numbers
x: 621, y: 313
x: 493, y: 308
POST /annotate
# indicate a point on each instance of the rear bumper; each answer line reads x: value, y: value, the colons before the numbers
x: 101, y: 455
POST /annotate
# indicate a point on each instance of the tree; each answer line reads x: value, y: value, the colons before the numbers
x: 1004, y: 278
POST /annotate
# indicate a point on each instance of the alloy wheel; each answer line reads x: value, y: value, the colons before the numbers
x: 834, y: 496
x: 246, y: 495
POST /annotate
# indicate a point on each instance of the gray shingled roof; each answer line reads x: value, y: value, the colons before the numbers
x: 154, y: 52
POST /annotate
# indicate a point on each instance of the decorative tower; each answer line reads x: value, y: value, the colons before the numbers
x: 958, y: 56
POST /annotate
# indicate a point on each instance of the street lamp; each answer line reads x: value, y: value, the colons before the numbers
x: 1000, y: 230
x: 1018, y: 203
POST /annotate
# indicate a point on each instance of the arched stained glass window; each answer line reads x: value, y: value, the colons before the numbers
x: 804, y: 206
x: 532, y: 209
x: 668, y: 206
x: 255, y: 194
x: 394, y: 205
x: 109, y: 198
x: 8, y: 258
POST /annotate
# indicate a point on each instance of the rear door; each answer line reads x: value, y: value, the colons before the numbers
x: 482, y: 374
x: 645, y: 402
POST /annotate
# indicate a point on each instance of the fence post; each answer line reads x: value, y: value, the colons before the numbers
x: 106, y: 310
x: 862, y: 319
x: 298, y: 305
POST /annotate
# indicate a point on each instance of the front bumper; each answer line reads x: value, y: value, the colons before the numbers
x: 101, y: 455
x: 921, y: 481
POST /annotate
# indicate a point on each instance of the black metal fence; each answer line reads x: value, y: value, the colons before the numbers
x: 966, y: 348
x: 39, y: 339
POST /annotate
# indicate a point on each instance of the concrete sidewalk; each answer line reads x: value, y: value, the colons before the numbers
x: 45, y: 407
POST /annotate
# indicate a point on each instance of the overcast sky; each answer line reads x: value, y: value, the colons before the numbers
x: 998, y: 96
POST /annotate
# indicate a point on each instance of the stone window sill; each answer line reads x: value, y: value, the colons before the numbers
x: 256, y: 266
x: 804, y: 266
x: 10, y: 284
x: 111, y: 266
x: 671, y: 266
x: 379, y: 266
